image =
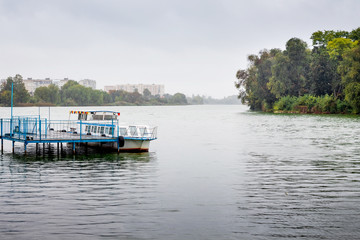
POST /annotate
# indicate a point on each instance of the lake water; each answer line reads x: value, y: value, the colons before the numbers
x: 215, y: 172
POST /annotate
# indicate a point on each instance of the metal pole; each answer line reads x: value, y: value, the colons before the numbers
x: 2, y: 140
x: 12, y: 100
x: 13, y: 146
x: 73, y: 147
x: 46, y: 128
x: 19, y: 128
x: 112, y: 126
x: 40, y: 128
x: 80, y: 129
x: 49, y: 118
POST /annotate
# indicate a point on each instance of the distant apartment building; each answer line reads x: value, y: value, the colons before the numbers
x: 88, y: 83
x: 154, y: 89
x: 32, y: 84
x: 61, y: 82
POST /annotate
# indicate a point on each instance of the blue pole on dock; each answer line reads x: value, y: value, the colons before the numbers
x: 12, y: 100
x: 80, y: 129
x: 40, y: 128
x: 45, y: 128
x: 2, y: 140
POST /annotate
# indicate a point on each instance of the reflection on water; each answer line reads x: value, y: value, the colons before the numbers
x: 216, y: 172
x: 82, y: 196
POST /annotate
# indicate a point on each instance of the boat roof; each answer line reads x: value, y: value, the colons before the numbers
x: 92, y: 112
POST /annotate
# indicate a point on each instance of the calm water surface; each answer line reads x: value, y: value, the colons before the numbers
x: 216, y: 172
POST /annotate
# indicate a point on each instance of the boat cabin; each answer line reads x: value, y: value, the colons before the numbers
x: 96, y: 115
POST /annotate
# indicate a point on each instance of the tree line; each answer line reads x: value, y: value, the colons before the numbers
x: 324, y: 79
x: 74, y: 94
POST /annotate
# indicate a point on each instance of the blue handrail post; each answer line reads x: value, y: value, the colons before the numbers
x: 12, y: 100
x: 40, y: 128
x: 2, y: 140
x: 19, y: 128
x: 80, y: 128
x: 25, y: 127
x: 112, y: 127
x: 45, y: 128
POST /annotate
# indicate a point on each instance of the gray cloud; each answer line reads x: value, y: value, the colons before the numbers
x: 190, y: 46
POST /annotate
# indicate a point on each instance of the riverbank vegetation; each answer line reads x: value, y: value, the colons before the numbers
x: 74, y: 94
x: 324, y: 79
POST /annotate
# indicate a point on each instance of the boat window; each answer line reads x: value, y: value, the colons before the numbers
x: 101, y: 130
x: 98, y: 117
x: 123, y: 132
x: 95, y: 128
x: 88, y: 129
x: 82, y: 116
x: 142, y: 131
x: 133, y: 130
x: 109, y: 117
x: 106, y: 130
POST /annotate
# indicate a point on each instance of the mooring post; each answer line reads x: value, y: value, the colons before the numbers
x: 37, y: 148
x: 58, y: 148
x: 25, y: 147
x: 73, y: 147
x: 13, y: 146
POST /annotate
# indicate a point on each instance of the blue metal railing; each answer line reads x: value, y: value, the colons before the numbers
x: 34, y: 128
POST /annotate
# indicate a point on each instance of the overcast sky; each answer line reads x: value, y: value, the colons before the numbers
x: 190, y: 46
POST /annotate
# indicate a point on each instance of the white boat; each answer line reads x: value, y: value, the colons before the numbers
x: 105, y: 124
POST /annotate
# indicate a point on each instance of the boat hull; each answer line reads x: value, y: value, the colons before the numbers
x: 130, y: 145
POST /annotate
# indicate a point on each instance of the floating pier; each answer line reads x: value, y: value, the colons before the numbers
x: 36, y: 130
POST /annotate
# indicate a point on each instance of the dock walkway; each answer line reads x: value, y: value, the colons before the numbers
x: 33, y: 130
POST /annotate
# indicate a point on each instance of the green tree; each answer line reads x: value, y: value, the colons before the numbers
x: 355, y: 34
x: 178, y: 99
x: 252, y: 83
x: 146, y: 94
x: 21, y: 95
x: 66, y: 93
x: 324, y: 78
x: 290, y: 71
x: 321, y: 38
x: 50, y: 94
x: 338, y: 46
x: 350, y: 66
x: 352, y: 95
